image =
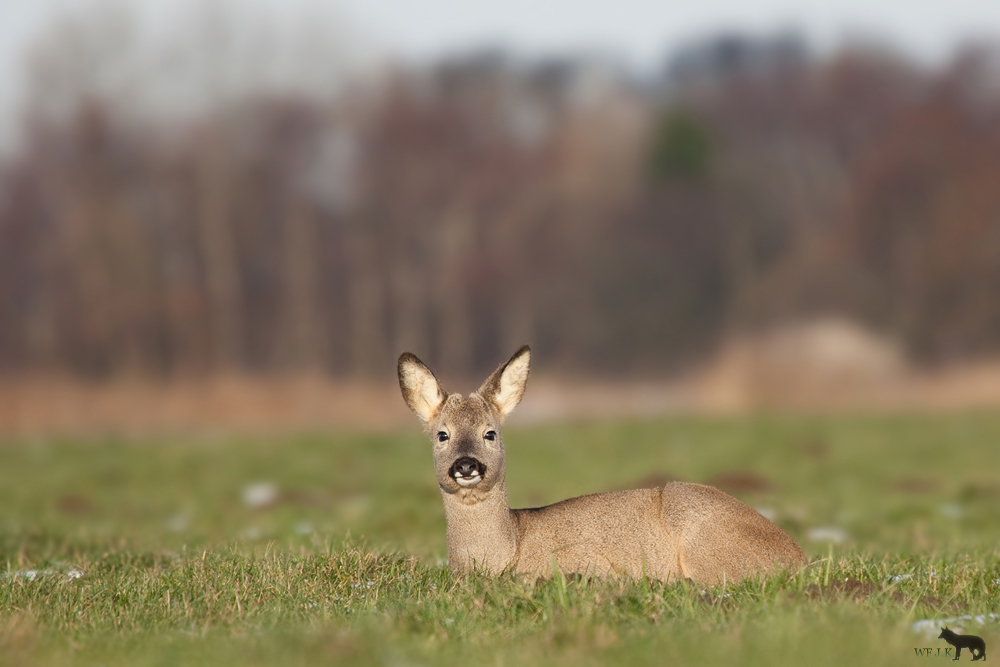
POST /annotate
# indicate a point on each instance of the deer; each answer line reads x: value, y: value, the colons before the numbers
x: 680, y: 531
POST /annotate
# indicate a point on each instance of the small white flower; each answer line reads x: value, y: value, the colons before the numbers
x: 31, y: 575
x: 252, y: 533
x: 260, y: 495
x: 827, y: 534
x: 952, y: 511
x: 177, y: 523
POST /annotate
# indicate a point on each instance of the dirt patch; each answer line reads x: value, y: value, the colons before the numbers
x: 741, y: 481
x: 814, y: 448
x: 303, y: 498
x: 915, y: 485
x: 73, y: 505
x: 857, y: 591
x: 33, y: 407
x: 535, y: 497
x: 848, y: 589
x: 724, y: 601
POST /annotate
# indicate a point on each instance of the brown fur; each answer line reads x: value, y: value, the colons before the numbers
x: 678, y: 531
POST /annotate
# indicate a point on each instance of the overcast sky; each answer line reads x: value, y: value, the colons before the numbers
x: 640, y: 31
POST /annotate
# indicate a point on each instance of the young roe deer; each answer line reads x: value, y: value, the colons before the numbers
x: 679, y: 531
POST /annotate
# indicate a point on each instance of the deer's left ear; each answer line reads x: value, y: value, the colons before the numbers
x: 504, y: 389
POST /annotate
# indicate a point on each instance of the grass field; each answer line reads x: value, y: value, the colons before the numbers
x: 330, y: 549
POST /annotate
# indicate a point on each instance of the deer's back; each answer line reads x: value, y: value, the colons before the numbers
x: 678, y: 531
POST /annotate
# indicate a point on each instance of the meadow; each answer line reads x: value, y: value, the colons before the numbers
x: 329, y: 549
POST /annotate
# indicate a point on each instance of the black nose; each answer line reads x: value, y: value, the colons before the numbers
x: 467, y: 467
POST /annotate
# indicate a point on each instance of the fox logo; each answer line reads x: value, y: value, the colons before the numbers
x: 975, y: 644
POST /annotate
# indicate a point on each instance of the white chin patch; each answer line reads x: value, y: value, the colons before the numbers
x: 468, y: 482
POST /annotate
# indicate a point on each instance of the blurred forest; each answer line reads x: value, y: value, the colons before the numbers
x: 621, y: 225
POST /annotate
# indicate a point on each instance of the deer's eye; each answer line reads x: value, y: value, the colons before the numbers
x: 491, y: 435
x: 442, y: 436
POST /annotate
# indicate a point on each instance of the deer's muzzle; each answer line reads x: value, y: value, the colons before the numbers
x: 467, y: 471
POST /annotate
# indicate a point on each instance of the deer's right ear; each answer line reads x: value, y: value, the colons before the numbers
x: 421, y: 390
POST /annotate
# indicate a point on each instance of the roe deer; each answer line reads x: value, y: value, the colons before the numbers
x: 679, y: 531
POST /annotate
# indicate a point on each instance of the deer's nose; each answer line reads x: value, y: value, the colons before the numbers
x: 467, y: 467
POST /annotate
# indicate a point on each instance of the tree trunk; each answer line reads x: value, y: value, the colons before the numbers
x: 456, y: 334
x: 302, y: 343
x: 222, y: 273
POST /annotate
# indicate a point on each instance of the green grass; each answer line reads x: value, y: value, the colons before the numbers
x: 144, y: 553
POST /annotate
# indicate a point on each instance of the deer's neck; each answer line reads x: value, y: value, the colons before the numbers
x: 481, y: 533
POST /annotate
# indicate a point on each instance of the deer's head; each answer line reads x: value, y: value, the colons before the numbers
x: 469, y: 456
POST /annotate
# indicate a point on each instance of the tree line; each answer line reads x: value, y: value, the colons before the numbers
x: 464, y: 209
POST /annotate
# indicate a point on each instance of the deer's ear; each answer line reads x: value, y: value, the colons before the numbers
x: 421, y: 390
x: 504, y: 389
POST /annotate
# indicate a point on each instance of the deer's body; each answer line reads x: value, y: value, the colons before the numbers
x: 679, y: 531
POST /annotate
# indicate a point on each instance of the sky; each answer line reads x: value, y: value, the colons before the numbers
x: 639, y: 32
x: 643, y: 30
